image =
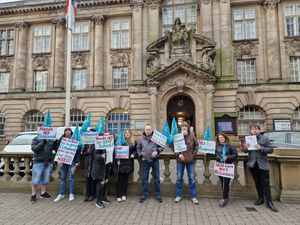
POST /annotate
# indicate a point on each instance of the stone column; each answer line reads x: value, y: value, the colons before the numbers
x: 206, y: 24
x: 152, y: 90
x: 226, y: 42
x: 137, y: 71
x: 272, y: 40
x: 99, y: 52
x: 153, y: 19
x: 19, y: 76
x: 59, y: 53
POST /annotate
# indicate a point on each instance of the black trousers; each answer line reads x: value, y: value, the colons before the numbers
x: 225, y: 186
x: 261, y: 179
x: 122, y: 184
x: 90, y: 187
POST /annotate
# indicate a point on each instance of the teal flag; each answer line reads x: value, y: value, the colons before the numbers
x: 166, y: 131
x: 100, y: 125
x: 48, y: 120
x: 86, y: 124
x: 121, y: 139
x: 207, y: 135
x: 76, y: 136
x: 174, y: 128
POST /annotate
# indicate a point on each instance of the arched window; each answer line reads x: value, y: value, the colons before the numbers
x: 118, y: 119
x: 296, y: 119
x: 34, y: 119
x: 76, y: 117
x: 2, y: 123
x: 250, y: 115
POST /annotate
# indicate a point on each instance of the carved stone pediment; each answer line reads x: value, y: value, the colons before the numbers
x: 247, y: 48
x: 79, y: 59
x: 120, y: 57
x: 5, y: 64
x: 40, y: 62
x: 292, y: 46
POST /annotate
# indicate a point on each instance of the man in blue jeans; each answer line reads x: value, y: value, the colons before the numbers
x: 187, y: 159
x: 149, y: 152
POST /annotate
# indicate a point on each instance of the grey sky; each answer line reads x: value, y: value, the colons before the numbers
x: 3, y: 1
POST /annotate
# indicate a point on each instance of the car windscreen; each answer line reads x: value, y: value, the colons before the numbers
x: 295, y: 138
x: 25, y: 139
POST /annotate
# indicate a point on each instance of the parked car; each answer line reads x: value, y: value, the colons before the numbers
x: 288, y: 139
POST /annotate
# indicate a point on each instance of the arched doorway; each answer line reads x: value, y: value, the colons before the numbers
x: 182, y: 108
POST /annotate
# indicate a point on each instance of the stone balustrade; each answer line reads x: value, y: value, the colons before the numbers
x: 284, y: 173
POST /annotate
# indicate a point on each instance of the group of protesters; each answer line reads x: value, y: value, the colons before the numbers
x: 97, y: 167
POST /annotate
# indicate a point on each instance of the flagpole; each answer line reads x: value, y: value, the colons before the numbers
x: 68, y: 77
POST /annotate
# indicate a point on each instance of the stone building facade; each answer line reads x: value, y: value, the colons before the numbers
x: 223, y: 63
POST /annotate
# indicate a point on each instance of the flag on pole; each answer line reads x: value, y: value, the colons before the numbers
x: 100, y: 125
x: 48, y: 120
x: 166, y: 131
x: 207, y: 135
x: 121, y: 139
x: 71, y: 9
x: 76, y: 136
x: 86, y: 124
x: 174, y: 128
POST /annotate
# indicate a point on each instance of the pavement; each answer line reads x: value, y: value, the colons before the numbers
x: 16, y: 209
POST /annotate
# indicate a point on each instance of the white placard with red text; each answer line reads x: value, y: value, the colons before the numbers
x: 66, y: 151
x: 207, y: 146
x: 224, y: 170
x: 104, y: 142
x: 122, y: 152
x: 47, y: 132
x: 159, y: 138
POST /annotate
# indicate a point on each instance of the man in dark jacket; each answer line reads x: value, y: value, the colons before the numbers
x: 149, y: 152
x: 42, y: 166
x: 259, y: 167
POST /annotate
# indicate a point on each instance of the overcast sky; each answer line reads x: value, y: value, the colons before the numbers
x: 2, y: 1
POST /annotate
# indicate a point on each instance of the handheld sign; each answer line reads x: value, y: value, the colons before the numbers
x: 159, y: 138
x: 104, y: 142
x: 122, y: 152
x: 207, y: 146
x: 47, y: 133
x: 179, y: 143
x: 224, y: 170
x: 252, y: 140
x: 66, y: 151
x: 89, y: 137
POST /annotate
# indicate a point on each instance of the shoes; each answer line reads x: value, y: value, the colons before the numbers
x: 106, y: 201
x: 91, y: 198
x: 86, y: 199
x: 100, y: 205
x: 177, y: 199
x: 223, y: 202
x: 33, y: 199
x: 259, y: 201
x: 142, y: 199
x: 71, y: 197
x: 271, y: 206
x: 119, y: 199
x: 123, y: 198
x: 59, y: 197
x: 159, y: 199
x: 45, y: 195
x: 195, y: 200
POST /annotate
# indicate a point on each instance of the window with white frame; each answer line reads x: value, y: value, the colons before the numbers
x: 79, y: 79
x: 250, y: 115
x: 40, y: 81
x: 7, y: 41
x: 42, y: 38
x: 296, y: 119
x: 77, y: 117
x: 295, y: 69
x: 244, y: 24
x: 186, y: 10
x: 117, y: 120
x: 246, y: 73
x: 292, y: 19
x: 120, y: 77
x: 80, y: 36
x: 120, y: 34
x: 2, y: 123
x: 4, y: 82
x: 34, y: 119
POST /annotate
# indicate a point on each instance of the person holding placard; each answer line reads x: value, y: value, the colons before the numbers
x: 66, y: 169
x: 259, y: 166
x: 186, y: 159
x: 149, y: 152
x: 125, y: 166
x: 225, y: 153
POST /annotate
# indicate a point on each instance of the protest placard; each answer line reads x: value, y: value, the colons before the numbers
x: 224, y: 170
x: 159, y: 138
x: 89, y: 137
x: 179, y: 143
x: 104, y: 142
x: 122, y: 152
x: 47, y: 133
x: 207, y: 146
x: 252, y: 140
x: 66, y: 151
